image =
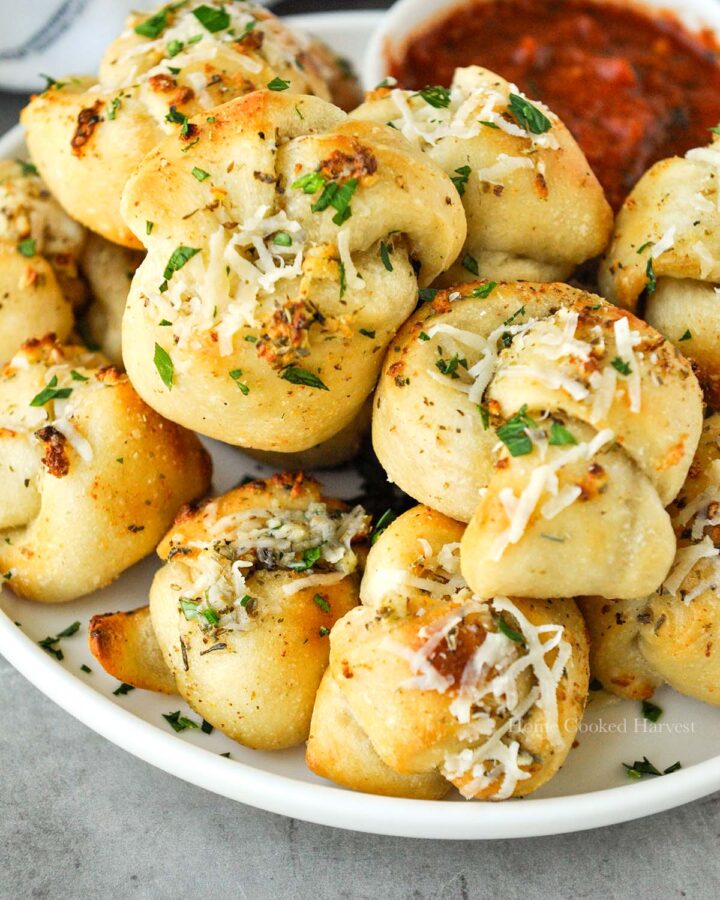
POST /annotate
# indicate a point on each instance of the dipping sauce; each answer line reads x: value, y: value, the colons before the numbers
x: 632, y: 88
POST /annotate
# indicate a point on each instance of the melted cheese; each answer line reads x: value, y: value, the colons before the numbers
x: 503, y: 167
x: 472, y: 102
x: 243, y: 267
x: 666, y: 242
x: 625, y: 340
x: 274, y: 538
x: 543, y: 480
x: 479, y: 374
x: 685, y: 559
x: 488, y: 701
x: 57, y: 413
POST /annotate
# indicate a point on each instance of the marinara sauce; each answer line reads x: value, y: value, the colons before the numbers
x: 631, y: 87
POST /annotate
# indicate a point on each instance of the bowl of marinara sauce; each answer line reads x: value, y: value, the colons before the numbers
x: 635, y: 82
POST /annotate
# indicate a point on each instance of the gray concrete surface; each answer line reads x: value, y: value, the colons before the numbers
x: 80, y: 818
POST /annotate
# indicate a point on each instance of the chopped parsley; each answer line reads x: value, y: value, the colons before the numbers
x: 297, y: 375
x: 339, y: 197
x: 51, y: 82
x: 385, y: 256
x: 26, y: 168
x: 484, y: 291
x: 324, y: 631
x: 513, y: 433
x: 200, y: 174
x: 651, y: 711
x: 309, y: 183
x: 48, y: 643
x: 164, y: 366
x: 365, y: 332
x: 123, y: 689
x: 154, y: 26
x: 178, y: 258
x: 471, y: 264
x: 484, y: 416
x: 528, y: 116
x: 76, y: 376
x: 382, y: 523
x: 177, y: 721
x: 687, y: 336
x: 560, y: 436
x: 51, y: 392
x: 645, y: 767
x: 178, y: 118
x: 333, y: 194
x: 518, y: 312
x: 427, y: 295
x: 643, y: 247
x: 460, y: 178
x: 508, y: 630
x: 246, y: 30
x: 621, y: 366
x: 236, y: 376
x: 278, y: 84
x: 282, y: 239
x: 424, y: 336
x: 149, y: 227
x: 449, y: 367
x: 436, y: 96
x: 343, y: 278
x: 206, y: 727
x: 309, y: 558
x: 651, y: 285
x: 211, y: 18
x: 174, y: 47
x: 27, y: 247
x: 321, y: 602
x: 86, y: 669
x: 115, y: 104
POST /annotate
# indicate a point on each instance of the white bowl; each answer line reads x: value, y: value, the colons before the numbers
x: 404, y: 17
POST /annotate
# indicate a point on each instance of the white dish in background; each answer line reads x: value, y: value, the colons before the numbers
x: 405, y: 16
x: 591, y: 790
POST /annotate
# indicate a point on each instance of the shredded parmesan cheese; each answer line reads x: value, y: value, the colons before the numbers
x: 625, y: 340
x: 685, y: 559
x: 271, y: 538
x: 543, y: 480
x: 491, y: 697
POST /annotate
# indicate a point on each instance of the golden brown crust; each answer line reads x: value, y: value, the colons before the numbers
x: 303, y: 333
x: 663, y: 257
x: 534, y: 208
x: 671, y: 635
x: 436, y: 434
x: 124, y: 644
x: 80, y: 137
x: 91, y: 476
x: 252, y: 673
x: 393, y: 718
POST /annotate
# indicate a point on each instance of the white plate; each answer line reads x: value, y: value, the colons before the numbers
x: 590, y: 791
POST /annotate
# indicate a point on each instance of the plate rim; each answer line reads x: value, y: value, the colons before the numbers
x: 326, y: 804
